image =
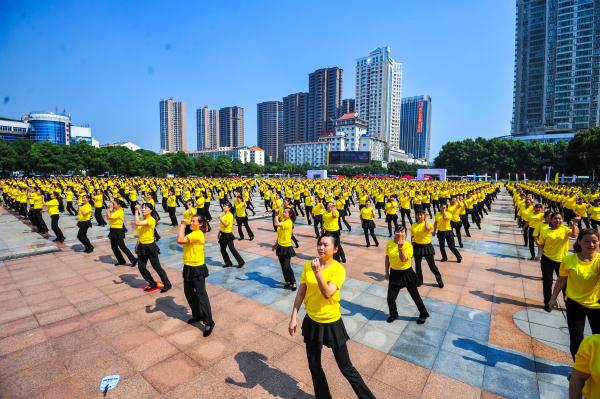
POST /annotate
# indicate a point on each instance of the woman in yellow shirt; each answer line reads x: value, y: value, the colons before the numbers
x: 171, y: 205
x: 399, y: 273
x: 98, y: 207
x: 147, y: 250
x: 317, y: 212
x: 226, y: 238
x: 116, y: 222
x: 69, y: 200
x: 580, y: 272
x: 444, y: 233
x: 420, y: 234
x: 320, y: 284
x: 331, y: 227
x: 188, y: 214
x: 84, y: 216
x: 585, y: 379
x: 241, y: 218
x: 554, y: 246
x: 308, y: 206
x: 53, y: 211
x: 391, y: 214
x: 283, y: 247
x: 275, y: 205
x: 367, y: 214
x: 405, y: 206
x: 594, y: 212
x: 195, y: 271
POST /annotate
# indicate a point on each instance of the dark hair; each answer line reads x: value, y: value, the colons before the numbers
x: 121, y: 203
x: 334, y: 237
x: 202, y: 221
x: 556, y: 214
x: 582, y: 233
x: 148, y: 205
x: 227, y: 203
x: 400, y: 228
x: 547, y: 213
x: 419, y: 211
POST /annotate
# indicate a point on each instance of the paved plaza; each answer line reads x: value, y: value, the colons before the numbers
x: 67, y: 319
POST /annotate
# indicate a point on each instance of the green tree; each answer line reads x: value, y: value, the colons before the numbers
x: 8, y: 158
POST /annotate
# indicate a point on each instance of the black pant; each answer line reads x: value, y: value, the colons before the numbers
x: 286, y: 268
x: 38, y: 221
x: 71, y: 209
x: 228, y: 243
x: 403, y: 213
x: 432, y: 266
x: 117, y: 244
x: 576, y: 314
x: 308, y: 213
x: 133, y: 204
x: 244, y: 221
x: 465, y: 223
x: 548, y: 267
x: 393, y: 219
x: 98, y: 216
x: 143, y: 259
x: 318, y: 222
x: 392, y: 294
x: 474, y: 217
x: 456, y: 227
x: 54, y: 226
x: 342, y: 358
x: 197, y: 298
x: 82, y: 235
x: 370, y: 230
x: 172, y: 216
x: 444, y: 239
x: 342, y: 218
x: 298, y: 206
x: 531, y: 241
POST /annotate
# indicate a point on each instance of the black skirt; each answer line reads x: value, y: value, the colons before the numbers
x: 403, y: 278
x: 445, y: 234
x: 423, y: 249
x: 225, y: 237
x: 379, y: 205
x: 283, y: 252
x: 332, y: 335
x: 368, y: 224
x: 194, y: 272
x: 87, y: 223
x: 148, y: 250
x: 116, y: 234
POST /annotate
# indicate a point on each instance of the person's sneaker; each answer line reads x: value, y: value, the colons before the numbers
x: 166, y: 288
x: 293, y: 287
x: 458, y: 260
x: 251, y: 238
x: 119, y: 263
x: 208, y: 329
x: 240, y: 238
x: 241, y: 265
x: 444, y: 260
x: 134, y: 263
x: 547, y: 308
x: 460, y: 244
x: 421, y: 320
x: 391, y: 319
x: 440, y: 282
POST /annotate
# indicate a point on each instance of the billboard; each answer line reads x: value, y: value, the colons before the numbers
x: 349, y: 157
x: 420, y: 112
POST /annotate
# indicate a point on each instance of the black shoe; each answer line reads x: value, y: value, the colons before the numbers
x: 134, y: 263
x: 391, y: 319
x: 251, y: 238
x: 440, y: 282
x: 458, y: 260
x: 89, y: 250
x: 193, y: 320
x: 241, y: 265
x: 444, y: 260
x: 119, y: 263
x: 240, y: 238
x: 293, y: 287
x: 166, y: 288
x: 468, y: 235
x: 376, y: 243
x: 532, y: 258
x: 421, y: 320
x: 297, y: 245
x: 419, y: 284
x: 368, y: 245
x: 209, y: 329
x: 287, y: 285
x: 227, y: 265
x: 460, y: 244
x: 547, y: 308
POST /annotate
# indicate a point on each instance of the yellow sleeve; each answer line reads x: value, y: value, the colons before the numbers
x: 303, y: 276
x: 338, y: 276
x: 564, y: 267
x: 408, y: 251
x: 584, y: 356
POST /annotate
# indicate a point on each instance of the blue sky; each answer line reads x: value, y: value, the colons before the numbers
x: 109, y: 63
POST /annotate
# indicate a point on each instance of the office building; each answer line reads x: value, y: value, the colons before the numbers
x: 127, y: 144
x: 207, y: 128
x: 557, y: 67
x: 324, y: 101
x: 231, y: 127
x: 13, y: 129
x: 295, y: 118
x: 269, y: 120
x: 243, y: 154
x: 173, y: 136
x: 415, y: 126
x: 348, y: 105
x: 313, y: 153
x: 82, y: 133
x: 379, y: 94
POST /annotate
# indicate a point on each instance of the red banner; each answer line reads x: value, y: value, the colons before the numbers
x: 420, y: 112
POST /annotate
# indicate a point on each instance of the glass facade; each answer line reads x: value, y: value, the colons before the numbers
x: 47, y: 130
x: 415, y: 126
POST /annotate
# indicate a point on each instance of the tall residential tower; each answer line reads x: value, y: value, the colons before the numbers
x: 173, y: 135
x: 379, y: 94
x: 557, y: 66
x: 415, y: 126
x: 207, y: 125
x: 231, y: 127
x: 324, y: 101
x: 269, y: 122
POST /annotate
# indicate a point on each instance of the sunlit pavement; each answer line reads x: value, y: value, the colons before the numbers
x: 67, y: 319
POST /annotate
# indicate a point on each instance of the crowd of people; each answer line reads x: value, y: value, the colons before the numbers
x: 548, y: 214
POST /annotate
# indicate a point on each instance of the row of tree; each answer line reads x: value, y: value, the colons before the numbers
x: 580, y: 156
x: 83, y: 159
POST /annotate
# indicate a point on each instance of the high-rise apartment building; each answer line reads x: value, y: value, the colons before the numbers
x: 269, y: 120
x: 557, y: 66
x: 324, y: 101
x: 348, y: 106
x: 379, y: 94
x: 231, y: 127
x: 207, y: 125
x: 295, y: 118
x: 173, y: 135
x: 415, y: 126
